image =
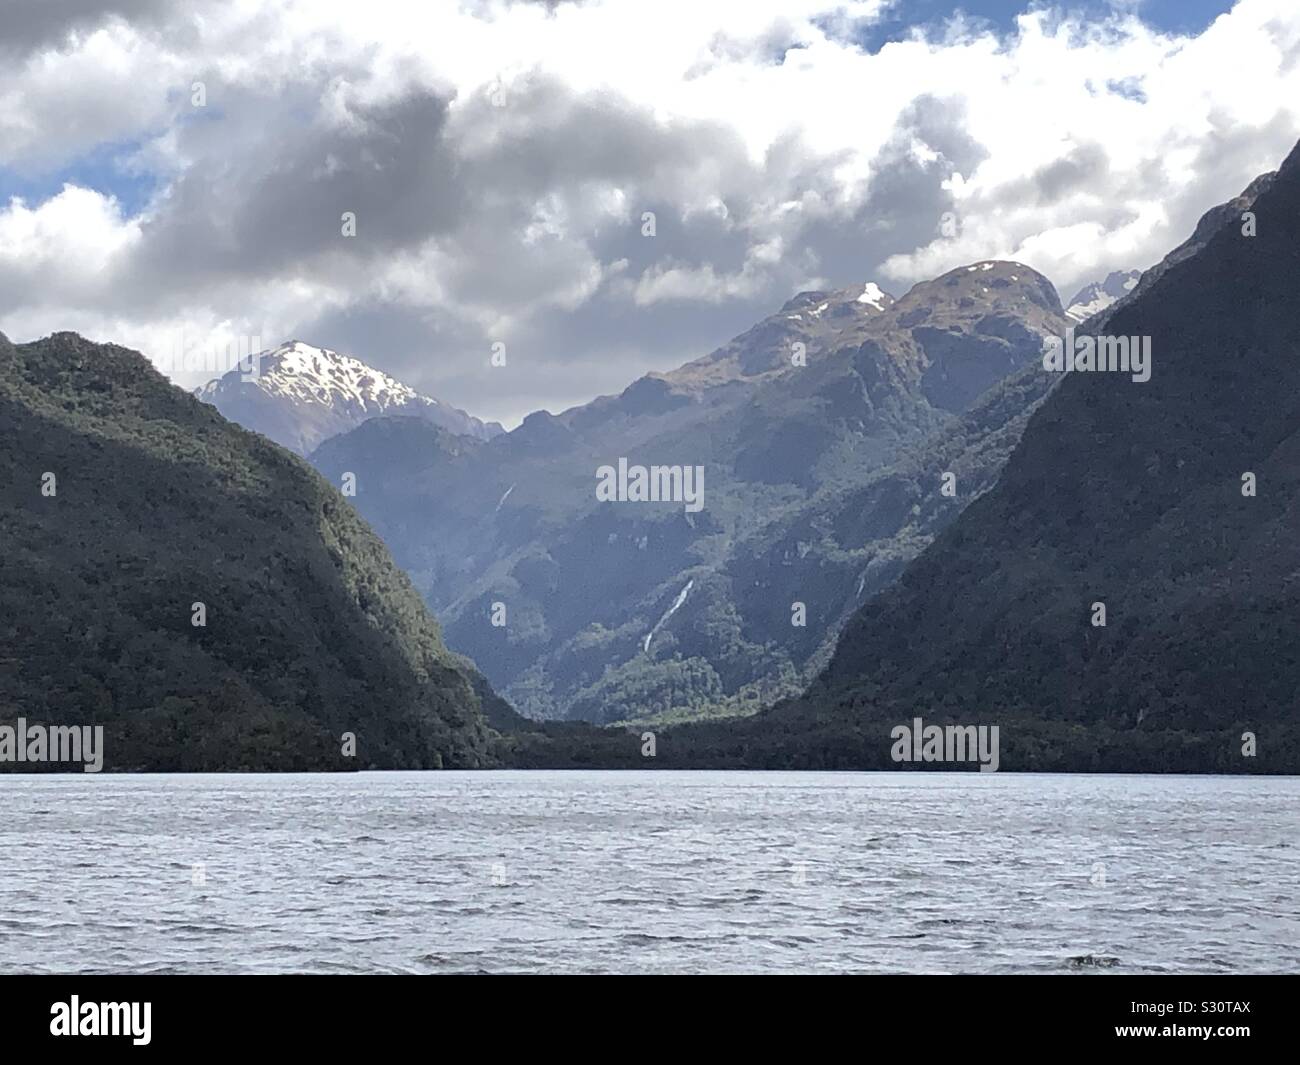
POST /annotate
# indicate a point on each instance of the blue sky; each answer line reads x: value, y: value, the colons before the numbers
x: 108, y: 168
x: 1169, y: 16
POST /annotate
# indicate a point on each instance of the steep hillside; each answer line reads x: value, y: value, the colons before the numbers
x: 124, y: 502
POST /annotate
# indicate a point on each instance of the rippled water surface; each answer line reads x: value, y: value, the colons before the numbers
x: 649, y: 872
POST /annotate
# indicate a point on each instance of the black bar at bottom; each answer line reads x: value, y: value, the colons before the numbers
x: 339, y: 1014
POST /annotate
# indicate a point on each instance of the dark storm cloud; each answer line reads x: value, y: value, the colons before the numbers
x: 274, y: 208
x: 269, y: 207
x: 556, y: 147
x: 26, y: 25
x: 1084, y: 169
x: 905, y: 198
x: 565, y: 354
x: 1086, y: 165
x: 268, y: 204
x: 553, y: 138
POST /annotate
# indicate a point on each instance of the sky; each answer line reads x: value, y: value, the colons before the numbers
x: 174, y: 175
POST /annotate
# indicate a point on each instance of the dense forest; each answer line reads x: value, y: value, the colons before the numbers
x: 200, y: 592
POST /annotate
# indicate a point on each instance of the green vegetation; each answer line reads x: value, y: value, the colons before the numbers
x: 160, y: 503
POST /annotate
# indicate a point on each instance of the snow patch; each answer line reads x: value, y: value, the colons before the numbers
x: 872, y: 295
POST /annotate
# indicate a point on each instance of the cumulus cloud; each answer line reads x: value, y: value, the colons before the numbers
x: 500, y: 159
x: 65, y: 250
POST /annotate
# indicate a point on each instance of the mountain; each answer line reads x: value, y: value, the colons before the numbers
x: 299, y: 395
x: 1099, y: 295
x: 822, y: 433
x: 1173, y: 503
x: 1216, y: 218
x: 124, y: 504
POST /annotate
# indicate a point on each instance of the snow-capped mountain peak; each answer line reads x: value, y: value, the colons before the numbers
x: 299, y: 394
x: 309, y: 374
x: 1101, y: 294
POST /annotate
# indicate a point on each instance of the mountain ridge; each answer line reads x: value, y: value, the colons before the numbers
x: 783, y: 432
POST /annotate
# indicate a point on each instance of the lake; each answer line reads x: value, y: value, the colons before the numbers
x: 593, y: 872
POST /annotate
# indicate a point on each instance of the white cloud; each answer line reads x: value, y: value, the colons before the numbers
x: 771, y: 146
x: 70, y: 244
